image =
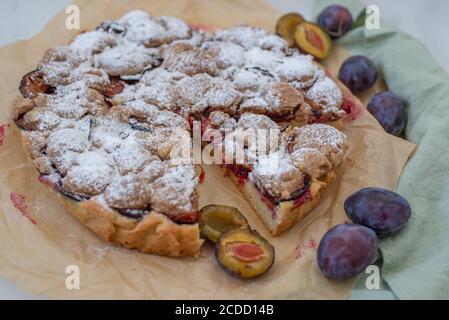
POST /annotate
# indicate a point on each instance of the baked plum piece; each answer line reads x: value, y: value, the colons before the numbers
x: 346, y: 250
x: 384, y: 211
x: 218, y: 219
x: 32, y: 84
x: 115, y: 87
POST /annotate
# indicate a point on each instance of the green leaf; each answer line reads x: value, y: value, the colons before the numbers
x: 360, y: 20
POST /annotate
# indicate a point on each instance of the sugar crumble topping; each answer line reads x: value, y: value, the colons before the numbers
x: 128, y: 60
x: 307, y: 152
x: 96, y: 139
x: 276, y: 174
x: 326, y: 94
x: 90, y: 43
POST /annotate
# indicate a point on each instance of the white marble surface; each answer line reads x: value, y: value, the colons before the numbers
x: 426, y: 20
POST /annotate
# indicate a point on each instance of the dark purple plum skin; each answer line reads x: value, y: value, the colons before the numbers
x: 336, y: 20
x: 346, y: 250
x: 389, y: 110
x: 384, y: 211
x: 358, y: 73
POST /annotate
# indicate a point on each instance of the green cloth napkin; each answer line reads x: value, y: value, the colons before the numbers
x: 416, y: 261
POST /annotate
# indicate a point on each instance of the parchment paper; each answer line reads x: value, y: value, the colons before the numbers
x: 39, y: 239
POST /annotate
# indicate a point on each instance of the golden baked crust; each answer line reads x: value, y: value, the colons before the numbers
x: 154, y: 233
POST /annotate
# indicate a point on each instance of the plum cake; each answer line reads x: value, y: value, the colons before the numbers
x: 101, y: 116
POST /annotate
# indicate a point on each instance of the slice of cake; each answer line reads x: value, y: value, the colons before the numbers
x: 285, y: 181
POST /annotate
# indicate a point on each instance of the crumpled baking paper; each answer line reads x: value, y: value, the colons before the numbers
x: 41, y: 244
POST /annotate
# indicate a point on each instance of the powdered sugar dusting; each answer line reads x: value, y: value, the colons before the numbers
x: 276, y: 174
x: 328, y: 140
x: 129, y: 59
x: 142, y: 29
x: 90, y: 174
x: 93, y: 42
x: 298, y: 69
x: 326, y: 93
x: 201, y: 91
x: 128, y: 192
x: 226, y: 54
x: 250, y: 37
x: 174, y: 191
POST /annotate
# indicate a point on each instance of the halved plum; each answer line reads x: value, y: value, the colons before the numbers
x: 312, y: 39
x: 286, y: 25
x: 32, y: 84
x: 244, y: 253
x: 216, y: 220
